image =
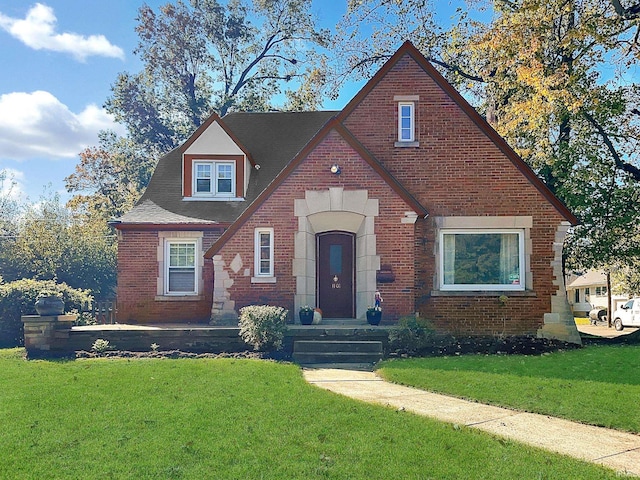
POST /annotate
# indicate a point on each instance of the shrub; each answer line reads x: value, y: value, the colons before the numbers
x: 19, y: 297
x: 101, y: 345
x: 263, y: 326
x: 411, y: 336
x: 84, y: 318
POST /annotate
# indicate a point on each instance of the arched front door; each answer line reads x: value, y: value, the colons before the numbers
x: 336, y: 274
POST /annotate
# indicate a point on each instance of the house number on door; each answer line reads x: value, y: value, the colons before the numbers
x: 335, y: 283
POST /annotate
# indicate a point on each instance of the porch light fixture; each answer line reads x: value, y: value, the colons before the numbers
x: 335, y: 169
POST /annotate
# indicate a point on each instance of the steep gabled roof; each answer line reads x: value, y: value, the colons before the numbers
x: 272, y: 140
x: 408, y: 48
x: 277, y: 142
x: 215, y: 118
x: 291, y: 166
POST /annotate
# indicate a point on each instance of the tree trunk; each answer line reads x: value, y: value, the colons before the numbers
x: 609, y: 310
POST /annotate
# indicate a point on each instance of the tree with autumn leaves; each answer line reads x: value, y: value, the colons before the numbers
x: 556, y: 78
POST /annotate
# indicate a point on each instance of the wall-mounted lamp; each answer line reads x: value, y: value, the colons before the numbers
x: 335, y: 169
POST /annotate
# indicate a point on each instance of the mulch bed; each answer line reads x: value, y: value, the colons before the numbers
x: 178, y: 354
x: 444, y: 346
x: 448, y: 346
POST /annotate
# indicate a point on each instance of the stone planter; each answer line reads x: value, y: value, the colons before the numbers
x: 49, y: 306
x: 374, y: 317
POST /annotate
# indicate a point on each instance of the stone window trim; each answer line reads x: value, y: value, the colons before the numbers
x: 482, y: 224
x: 263, y: 253
x: 483, y: 293
x: 164, y: 239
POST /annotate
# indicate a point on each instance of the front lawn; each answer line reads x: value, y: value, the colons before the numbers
x: 599, y: 385
x: 231, y: 419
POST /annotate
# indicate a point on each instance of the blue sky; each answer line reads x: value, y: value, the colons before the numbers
x: 59, y: 60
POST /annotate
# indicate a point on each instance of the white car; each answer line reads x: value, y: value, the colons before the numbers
x: 628, y: 315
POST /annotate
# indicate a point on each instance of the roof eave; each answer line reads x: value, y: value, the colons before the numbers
x: 193, y: 226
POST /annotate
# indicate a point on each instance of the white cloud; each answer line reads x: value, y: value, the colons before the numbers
x: 37, y: 30
x: 38, y: 125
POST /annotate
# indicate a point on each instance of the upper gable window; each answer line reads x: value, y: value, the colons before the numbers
x: 214, y: 178
x: 406, y: 122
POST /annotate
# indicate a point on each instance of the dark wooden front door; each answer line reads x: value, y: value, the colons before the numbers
x: 336, y: 274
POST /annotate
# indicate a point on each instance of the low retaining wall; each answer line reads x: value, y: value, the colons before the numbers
x: 140, y: 339
x: 56, y: 337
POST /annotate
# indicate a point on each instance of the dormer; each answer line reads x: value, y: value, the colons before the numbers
x: 215, y: 165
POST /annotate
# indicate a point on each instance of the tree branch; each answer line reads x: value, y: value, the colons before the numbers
x: 459, y: 71
x: 628, y: 13
x: 622, y: 165
x: 445, y: 65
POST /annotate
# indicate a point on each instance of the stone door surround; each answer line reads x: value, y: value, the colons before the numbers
x: 335, y: 209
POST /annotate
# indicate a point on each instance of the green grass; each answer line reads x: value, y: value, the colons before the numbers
x: 231, y: 419
x: 599, y: 385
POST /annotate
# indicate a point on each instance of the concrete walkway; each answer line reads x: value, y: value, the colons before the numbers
x: 617, y: 450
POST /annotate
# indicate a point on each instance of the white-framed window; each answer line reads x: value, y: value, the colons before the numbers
x: 263, y: 264
x: 215, y: 178
x: 601, y: 291
x: 474, y: 259
x: 406, y: 122
x: 181, y: 262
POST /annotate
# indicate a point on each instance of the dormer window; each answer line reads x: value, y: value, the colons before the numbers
x: 406, y: 122
x: 214, y: 178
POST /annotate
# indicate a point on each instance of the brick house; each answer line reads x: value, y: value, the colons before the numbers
x: 406, y: 191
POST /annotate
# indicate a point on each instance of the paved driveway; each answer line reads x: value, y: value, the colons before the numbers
x: 601, y: 330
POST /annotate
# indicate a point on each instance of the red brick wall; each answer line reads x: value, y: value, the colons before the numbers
x: 457, y: 171
x: 137, y: 274
x: 394, y: 239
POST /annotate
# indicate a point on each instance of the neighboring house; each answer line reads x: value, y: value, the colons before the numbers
x: 588, y: 291
x: 406, y: 191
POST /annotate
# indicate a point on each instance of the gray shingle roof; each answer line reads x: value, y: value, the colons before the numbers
x: 272, y: 139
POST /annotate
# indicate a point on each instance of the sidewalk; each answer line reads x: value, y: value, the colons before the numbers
x: 614, y: 449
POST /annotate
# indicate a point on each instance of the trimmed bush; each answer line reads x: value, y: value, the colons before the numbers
x: 411, y: 336
x: 263, y: 326
x: 18, y: 298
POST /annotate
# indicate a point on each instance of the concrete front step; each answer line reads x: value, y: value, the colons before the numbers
x: 336, y: 351
x: 343, y: 322
x: 333, y: 346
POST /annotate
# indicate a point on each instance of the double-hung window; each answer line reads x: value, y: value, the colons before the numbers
x: 482, y: 260
x: 406, y: 122
x: 181, y: 260
x: 263, y: 252
x: 214, y: 178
